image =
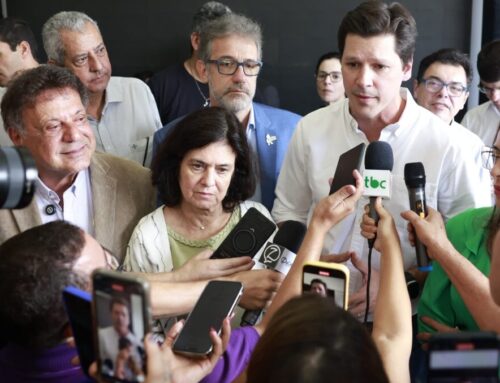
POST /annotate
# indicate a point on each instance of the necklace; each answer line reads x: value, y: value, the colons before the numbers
x: 205, y: 104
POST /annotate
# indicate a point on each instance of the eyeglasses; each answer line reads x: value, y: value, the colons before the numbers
x: 490, y: 156
x: 455, y: 89
x: 229, y: 66
x: 487, y: 90
x: 334, y: 76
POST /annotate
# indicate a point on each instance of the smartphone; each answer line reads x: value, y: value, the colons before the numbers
x: 78, y: 304
x: 121, y: 313
x: 247, y: 237
x: 348, y: 161
x: 329, y: 280
x: 464, y: 357
x: 217, y: 301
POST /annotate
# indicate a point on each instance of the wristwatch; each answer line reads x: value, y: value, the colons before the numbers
x: 412, y: 285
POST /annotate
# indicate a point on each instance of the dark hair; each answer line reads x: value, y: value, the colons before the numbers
x: 198, y: 130
x: 448, y: 56
x: 309, y: 340
x: 123, y: 342
x: 374, y: 18
x: 15, y: 31
x: 316, y: 280
x: 326, y: 56
x: 209, y: 11
x: 25, y: 88
x: 488, y: 62
x: 36, y: 265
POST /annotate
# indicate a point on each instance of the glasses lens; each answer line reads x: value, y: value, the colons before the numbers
x: 227, y: 66
x: 488, y: 157
x: 251, y: 67
x: 433, y: 85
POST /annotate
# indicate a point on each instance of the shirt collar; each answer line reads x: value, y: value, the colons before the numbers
x: 405, y: 121
x: 251, y: 119
x: 114, y: 92
x: 48, y: 194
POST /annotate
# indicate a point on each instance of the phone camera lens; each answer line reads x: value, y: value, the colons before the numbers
x: 244, y: 241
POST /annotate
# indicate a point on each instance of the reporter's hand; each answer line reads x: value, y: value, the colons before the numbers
x: 385, y: 230
x: 166, y: 366
x: 259, y: 287
x: 201, y: 267
x: 357, y: 300
x: 430, y: 230
x: 332, y: 209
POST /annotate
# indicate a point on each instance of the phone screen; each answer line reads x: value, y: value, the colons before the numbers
x: 326, y: 282
x: 464, y: 358
x: 217, y: 301
x: 122, y: 321
x: 348, y: 161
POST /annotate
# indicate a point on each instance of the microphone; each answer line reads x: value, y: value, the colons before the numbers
x: 379, y: 161
x: 415, y: 182
x: 279, y: 256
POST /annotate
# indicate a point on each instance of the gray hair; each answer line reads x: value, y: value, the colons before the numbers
x: 51, y: 32
x: 227, y: 25
x: 208, y: 12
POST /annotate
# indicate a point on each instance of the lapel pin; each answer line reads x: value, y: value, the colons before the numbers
x: 270, y: 139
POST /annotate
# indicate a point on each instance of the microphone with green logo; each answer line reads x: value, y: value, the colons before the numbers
x: 379, y: 161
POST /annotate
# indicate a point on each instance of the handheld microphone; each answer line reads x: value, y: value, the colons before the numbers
x: 279, y: 256
x: 379, y: 161
x: 415, y: 182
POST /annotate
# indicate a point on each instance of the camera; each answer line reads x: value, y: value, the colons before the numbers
x: 17, y: 178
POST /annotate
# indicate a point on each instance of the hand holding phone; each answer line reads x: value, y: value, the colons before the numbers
x: 216, y: 302
x: 329, y: 280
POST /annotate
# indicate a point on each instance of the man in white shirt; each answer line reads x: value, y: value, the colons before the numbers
x: 377, y: 42
x: 17, y: 53
x: 484, y: 120
x: 44, y: 110
x: 121, y: 111
x: 442, y: 87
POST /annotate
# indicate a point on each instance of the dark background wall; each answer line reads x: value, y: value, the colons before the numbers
x: 151, y: 34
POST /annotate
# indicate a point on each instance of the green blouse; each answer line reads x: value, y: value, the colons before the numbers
x: 440, y: 299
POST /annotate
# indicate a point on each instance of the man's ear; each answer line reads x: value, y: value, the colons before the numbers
x: 202, y: 69
x: 415, y: 86
x: 407, y: 69
x: 16, y: 137
x: 195, y: 41
x: 24, y: 49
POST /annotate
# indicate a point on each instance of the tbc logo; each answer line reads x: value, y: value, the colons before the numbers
x: 373, y: 183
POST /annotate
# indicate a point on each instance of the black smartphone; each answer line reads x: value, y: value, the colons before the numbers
x: 121, y: 320
x: 247, y: 237
x: 348, y: 161
x: 217, y: 301
x: 78, y: 304
x: 329, y: 280
x: 464, y: 357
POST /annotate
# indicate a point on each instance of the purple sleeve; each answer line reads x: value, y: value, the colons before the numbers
x: 234, y: 361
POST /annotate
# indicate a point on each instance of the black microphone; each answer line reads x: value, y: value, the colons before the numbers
x: 415, y: 182
x: 379, y: 161
x: 279, y: 256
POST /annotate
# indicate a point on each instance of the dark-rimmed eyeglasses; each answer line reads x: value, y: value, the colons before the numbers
x: 490, y: 156
x: 455, y: 89
x: 228, y: 66
x: 333, y: 76
x: 487, y: 90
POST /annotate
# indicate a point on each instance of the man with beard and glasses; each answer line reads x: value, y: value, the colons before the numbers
x: 122, y: 111
x: 230, y: 60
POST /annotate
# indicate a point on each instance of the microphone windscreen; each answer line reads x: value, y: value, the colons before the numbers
x: 379, y: 156
x: 414, y: 175
x: 290, y: 235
